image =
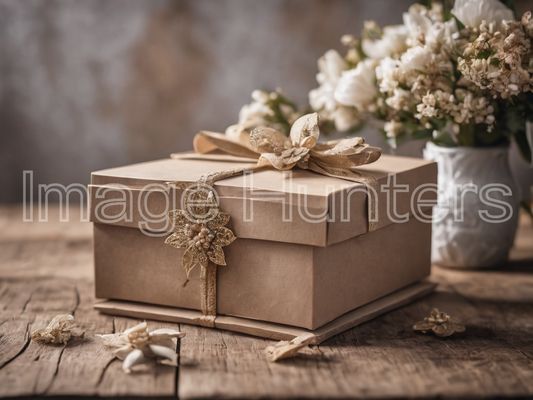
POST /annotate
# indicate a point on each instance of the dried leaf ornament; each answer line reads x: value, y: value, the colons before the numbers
x: 441, y: 323
x: 301, y: 147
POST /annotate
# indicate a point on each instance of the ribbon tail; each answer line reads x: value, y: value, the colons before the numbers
x: 206, y: 142
x: 208, y: 279
x: 354, y: 176
x: 210, y: 178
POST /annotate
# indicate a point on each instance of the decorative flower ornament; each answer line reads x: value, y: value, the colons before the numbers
x: 135, y: 345
x: 441, y: 323
x: 283, y: 153
x: 202, y: 240
x: 59, y: 331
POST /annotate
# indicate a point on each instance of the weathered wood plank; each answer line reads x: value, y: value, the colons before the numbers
x: 44, y: 249
x: 82, y: 367
x: 61, y: 254
x: 14, y: 338
x: 384, y: 357
x: 85, y: 358
x: 46, y: 270
x: 14, y: 229
x: 32, y: 370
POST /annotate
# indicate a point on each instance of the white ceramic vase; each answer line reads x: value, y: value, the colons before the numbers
x: 476, y: 219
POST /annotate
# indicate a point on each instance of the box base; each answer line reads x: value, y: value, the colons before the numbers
x: 270, y: 330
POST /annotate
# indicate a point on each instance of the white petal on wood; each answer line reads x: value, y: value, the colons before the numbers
x: 165, y: 332
x: 137, y: 328
x: 136, y: 357
x: 167, y: 342
x: 114, y: 339
x: 123, y: 352
x: 164, y: 352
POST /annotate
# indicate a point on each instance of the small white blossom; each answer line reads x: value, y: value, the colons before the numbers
x: 387, y: 73
x: 345, y: 118
x: 322, y: 99
x: 399, y: 99
x: 505, y: 72
x: 136, y: 345
x: 473, y: 12
x: 330, y: 66
x: 357, y: 87
x: 417, y: 20
x: 416, y: 58
x: 392, y: 42
x: 393, y: 128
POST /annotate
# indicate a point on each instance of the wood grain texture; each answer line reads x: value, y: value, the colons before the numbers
x: 46, y: 269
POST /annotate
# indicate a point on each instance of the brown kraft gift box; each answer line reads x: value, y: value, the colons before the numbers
x: 319, y: 271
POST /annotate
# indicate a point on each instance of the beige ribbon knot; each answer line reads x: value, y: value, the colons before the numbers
x: 204, y: 239
x: 274, y: 149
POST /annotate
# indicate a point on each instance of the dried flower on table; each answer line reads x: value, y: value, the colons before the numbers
x: 286, y: 349
x: 59, y: 331
x: 135, y: 345
x: 441, y: 323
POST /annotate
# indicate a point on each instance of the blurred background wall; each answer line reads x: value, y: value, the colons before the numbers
x: 87, y: 85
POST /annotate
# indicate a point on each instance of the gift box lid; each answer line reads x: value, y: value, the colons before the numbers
x: 299, y: 206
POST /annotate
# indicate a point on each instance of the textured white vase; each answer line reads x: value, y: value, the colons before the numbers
x: 477, y: 216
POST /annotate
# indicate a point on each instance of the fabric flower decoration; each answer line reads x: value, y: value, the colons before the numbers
x: 137, y: 344
x: 441, y: 323
x: 202, y: 240
x: 59, y: 331
x: 283, y: 153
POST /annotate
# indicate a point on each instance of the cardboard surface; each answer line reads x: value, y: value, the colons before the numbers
x: 269, y: 330
x: 284, y: 283
x: 120, y: 196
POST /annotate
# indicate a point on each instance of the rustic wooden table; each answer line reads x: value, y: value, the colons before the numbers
x: 46, y: 269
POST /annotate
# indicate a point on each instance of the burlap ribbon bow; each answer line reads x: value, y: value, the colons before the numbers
x: 203, y: 241
x: 274, y: 149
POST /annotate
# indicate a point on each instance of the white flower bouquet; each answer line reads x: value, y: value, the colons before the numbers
x: 460, y: 76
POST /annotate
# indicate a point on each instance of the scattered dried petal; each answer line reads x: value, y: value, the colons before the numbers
x: 286, y: 349
x: 440, y: 323
x: 60, y: 330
